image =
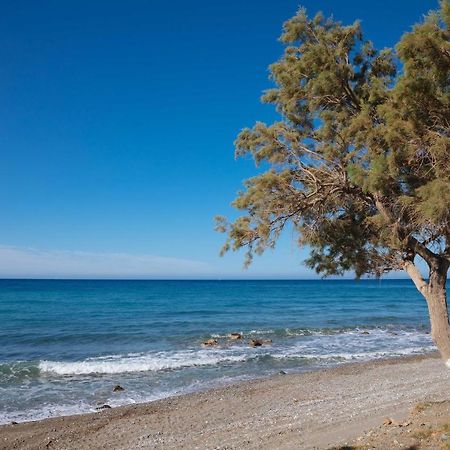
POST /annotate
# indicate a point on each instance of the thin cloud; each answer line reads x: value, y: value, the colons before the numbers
x: 18, y: 262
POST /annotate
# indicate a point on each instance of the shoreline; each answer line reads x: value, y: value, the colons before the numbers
x: 316, y: 409
x: 233, y: 381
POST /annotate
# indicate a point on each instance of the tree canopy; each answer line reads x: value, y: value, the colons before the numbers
x: 359, y: 162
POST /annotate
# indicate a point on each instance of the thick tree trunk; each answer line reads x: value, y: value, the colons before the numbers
x: 436, y: 297
x: 435, y: 294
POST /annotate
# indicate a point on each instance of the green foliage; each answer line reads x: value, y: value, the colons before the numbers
x: 359, y: 162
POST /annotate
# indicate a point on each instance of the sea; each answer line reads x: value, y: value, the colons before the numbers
x: 65, y: 344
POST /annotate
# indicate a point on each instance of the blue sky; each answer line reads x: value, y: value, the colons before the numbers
x: 117, y: 122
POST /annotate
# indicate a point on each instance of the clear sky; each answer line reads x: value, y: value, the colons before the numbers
x: 117, y: 121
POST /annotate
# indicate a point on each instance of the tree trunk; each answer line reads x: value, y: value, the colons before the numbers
x: 436, y: 297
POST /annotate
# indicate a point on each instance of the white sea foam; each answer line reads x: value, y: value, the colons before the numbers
x: 68, y: 406
x: 345, y: 346
x: 357, y: 356
x: 358, y: 345
x: 248, y: 333
x: 293, y: 350
x: 45, y: 412
x: 115, y: 364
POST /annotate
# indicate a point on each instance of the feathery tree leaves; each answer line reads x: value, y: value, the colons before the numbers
x: 359, y: 162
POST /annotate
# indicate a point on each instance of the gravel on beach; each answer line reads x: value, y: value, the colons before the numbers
x: 315, y: 410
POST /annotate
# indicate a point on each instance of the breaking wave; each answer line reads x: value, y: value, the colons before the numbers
x: 325, y: 345
x: 115, y: 364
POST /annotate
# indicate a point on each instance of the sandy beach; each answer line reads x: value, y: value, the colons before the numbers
x: 317, y: 410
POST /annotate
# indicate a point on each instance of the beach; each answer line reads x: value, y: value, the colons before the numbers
x: 181, y: 268
x: 319, y: 409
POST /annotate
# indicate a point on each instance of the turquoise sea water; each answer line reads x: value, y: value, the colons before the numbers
x: 64, y: 345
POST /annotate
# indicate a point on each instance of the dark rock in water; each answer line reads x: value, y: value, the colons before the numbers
x: 255, y: 343
x: 210, y: 343
x: 14, y: 423
x: 99, y: 408
x: 235, y: 336
x: 118, y: 388
x: 365, y: 332
x: 259, y: 342
x: 282, y: 372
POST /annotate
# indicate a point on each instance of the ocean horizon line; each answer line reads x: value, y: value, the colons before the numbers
x: 201, y: 279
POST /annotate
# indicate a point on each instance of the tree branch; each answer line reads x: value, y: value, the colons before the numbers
x: 423, y: 251
x: 416, y: 277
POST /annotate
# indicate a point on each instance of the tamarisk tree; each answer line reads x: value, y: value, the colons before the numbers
x: 359, y: 162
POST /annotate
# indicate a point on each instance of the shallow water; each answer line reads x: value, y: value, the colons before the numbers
x: 64, y: 345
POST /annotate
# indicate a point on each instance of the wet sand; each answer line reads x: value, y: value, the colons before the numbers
x: 296, y: 411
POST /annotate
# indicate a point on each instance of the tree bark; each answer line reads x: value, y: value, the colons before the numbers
x: 436, y: 297
x: 435, y: 294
